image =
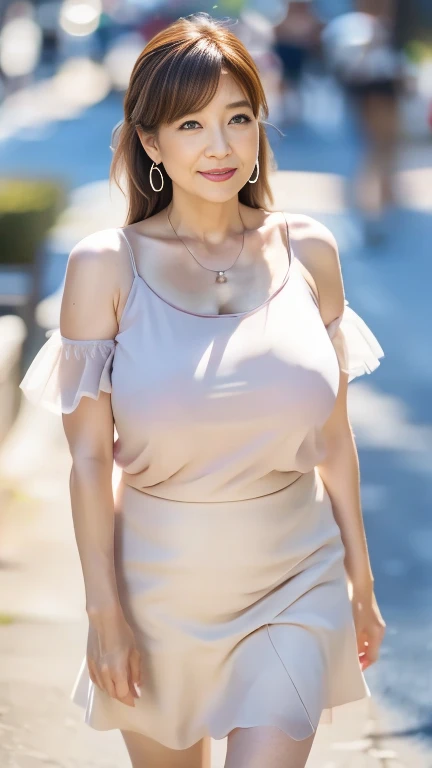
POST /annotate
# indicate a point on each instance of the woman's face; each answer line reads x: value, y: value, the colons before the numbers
x: 222, y: 135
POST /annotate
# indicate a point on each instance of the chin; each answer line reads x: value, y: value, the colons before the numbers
x: 218, y: 196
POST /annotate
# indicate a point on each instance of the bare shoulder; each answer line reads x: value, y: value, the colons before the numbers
x: 317, y: 251
x: 314, y: 243
x: 96, y: 277
x: 102, y: 250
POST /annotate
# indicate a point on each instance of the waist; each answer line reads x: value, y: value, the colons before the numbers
x: 201, y: 491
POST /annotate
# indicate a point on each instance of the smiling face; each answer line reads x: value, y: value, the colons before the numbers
x: 224, y: 135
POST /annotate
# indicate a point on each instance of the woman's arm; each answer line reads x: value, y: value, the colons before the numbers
x: 89, y: 431
x: 90, y: 300
x: 88, y: 312
x: 318, y: 252
x: 341, y: 476
x: 339, y: 470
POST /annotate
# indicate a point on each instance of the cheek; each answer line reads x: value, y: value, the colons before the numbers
x: 245, y: 144
x: 182, y: 157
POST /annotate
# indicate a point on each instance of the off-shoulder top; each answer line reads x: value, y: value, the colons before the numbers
x: 211, y: 407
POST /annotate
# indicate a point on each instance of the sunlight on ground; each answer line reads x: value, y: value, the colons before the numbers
x: 414, y: 188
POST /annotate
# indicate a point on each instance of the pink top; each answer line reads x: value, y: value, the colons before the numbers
x: 211, y: 407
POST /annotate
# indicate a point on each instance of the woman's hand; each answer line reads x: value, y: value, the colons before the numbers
x: 370, y: 625
x: 113, y: 660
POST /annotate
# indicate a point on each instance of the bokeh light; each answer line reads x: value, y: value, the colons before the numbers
x: 80, y: 17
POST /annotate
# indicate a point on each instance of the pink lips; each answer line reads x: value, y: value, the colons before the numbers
x: 218, y: 174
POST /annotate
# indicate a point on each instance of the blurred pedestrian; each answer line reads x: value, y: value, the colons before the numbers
x: 228, y: 583
x: 296, y: 37
x: 362, y: 47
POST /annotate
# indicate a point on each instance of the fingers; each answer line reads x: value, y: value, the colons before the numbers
x: 113, y: 660
x: 95, y: 677
x: 108, y: 684
x: 375, y: 640
x: 363, y: 658
x: 122, y: 688
x: 134, y: 691
x: 369, y: 645
x: 114, y: 682
x: 135, y: 666
x: 361, y: 640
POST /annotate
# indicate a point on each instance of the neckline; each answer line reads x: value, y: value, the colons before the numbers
x: 206, y: 315
x: 209, y: 316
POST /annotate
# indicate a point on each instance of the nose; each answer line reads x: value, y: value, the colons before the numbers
x: 218, y: 145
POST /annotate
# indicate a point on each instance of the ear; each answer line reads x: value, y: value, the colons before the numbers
x: 149, y: 143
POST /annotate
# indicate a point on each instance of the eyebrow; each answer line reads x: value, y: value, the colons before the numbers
x: 233, y: 105
x: 242, y: 103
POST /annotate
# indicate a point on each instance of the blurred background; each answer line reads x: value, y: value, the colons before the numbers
x: 349, y: 86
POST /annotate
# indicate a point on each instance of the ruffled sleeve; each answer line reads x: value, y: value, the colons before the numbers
x: 357, y: 349
x: 65, y: 370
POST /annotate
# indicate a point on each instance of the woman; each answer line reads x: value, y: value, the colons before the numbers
x: 213, y: 335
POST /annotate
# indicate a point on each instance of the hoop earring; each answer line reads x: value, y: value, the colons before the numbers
x: 253, y: 181
x: 153, y: 168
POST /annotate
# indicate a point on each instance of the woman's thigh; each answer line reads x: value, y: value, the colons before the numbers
x: 266, y: 746
x: 147, y: 753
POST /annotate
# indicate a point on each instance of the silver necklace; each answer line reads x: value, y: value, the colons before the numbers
x: 221, y: 276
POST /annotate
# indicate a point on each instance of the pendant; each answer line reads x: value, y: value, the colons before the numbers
x: 221, y: 277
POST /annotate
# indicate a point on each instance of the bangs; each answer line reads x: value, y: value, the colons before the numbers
x: 185, y: 81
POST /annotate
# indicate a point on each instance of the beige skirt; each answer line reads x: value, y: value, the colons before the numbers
x: 241, y: 611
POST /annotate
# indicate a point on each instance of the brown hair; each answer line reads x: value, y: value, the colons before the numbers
x: 178, y: 73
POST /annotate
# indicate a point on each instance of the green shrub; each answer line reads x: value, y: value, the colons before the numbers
x: 28, y: 209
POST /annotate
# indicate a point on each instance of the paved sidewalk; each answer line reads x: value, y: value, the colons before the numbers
x: 44, y: 627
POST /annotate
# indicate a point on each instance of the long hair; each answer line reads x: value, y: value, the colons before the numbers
x: 178, y: 73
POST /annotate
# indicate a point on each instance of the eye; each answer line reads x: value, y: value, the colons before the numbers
x: 244, y: 117
x: 188, y: 122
